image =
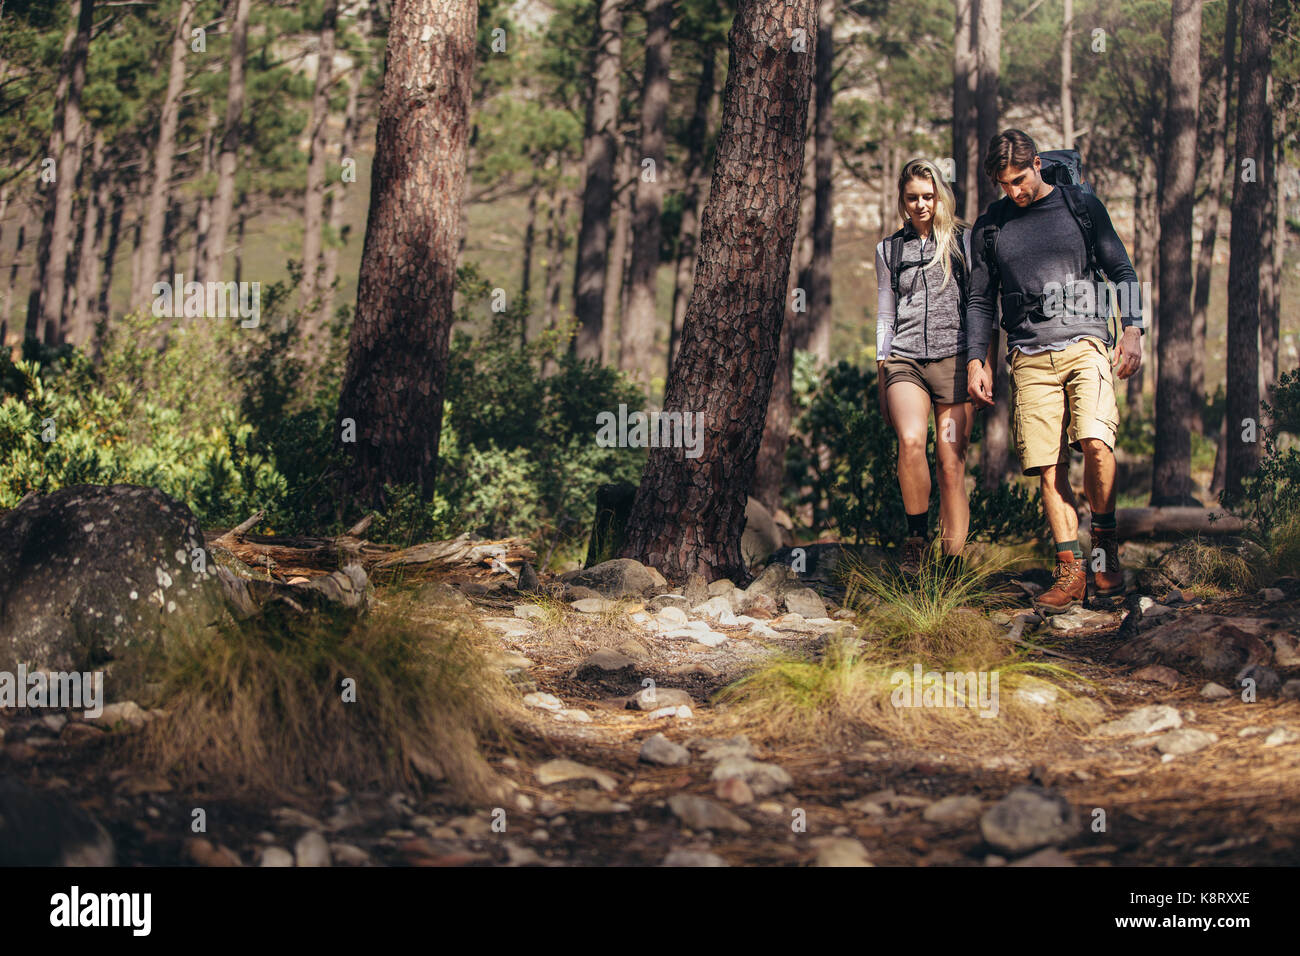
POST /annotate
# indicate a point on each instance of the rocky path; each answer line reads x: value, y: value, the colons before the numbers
x: 624, y: 759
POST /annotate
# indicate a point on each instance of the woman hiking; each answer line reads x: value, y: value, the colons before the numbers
x: 921, y: 273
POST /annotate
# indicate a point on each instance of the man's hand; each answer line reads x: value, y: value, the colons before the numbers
x: 979, y: 383
x: 884, y: 402
x: 1128, y: 353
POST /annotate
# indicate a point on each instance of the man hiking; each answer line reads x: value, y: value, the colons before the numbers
x: 1032, y: 245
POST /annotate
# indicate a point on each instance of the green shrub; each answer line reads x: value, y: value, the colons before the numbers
x: 1270, y: 498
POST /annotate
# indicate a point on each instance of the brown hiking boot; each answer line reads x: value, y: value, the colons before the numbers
x: 913, y: 555
x: 1070, y: 587
x: 1108, y: 576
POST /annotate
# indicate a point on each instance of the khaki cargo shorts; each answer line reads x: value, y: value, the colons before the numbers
x: 1059, y: 398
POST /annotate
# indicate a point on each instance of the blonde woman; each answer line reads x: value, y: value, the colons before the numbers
x: 921, y: 274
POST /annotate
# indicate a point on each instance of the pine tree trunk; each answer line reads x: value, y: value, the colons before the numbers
x: 816, y: 330
x: 351, y: 124
x: 104, y: 292
x: 1171, y: 481
x: 641, y: 320
x: 611, y: 328
x: 151, y: 239
x: 1210, y: 227
x: 1270, y: 240
x: 689, y: 512
x: 556, y: 242
x: 228, y: 158
x: 965, y: 143
x: 1067, y: 76
x: 313, y: 211
x: 53, y: 290
x: 530, y: 239
x: 203, y: 209
x: 988, y: 53
x: 1248, y: 200
x: 598, y: 156
x: 397, y: 353
x: 706, y: 105
x: 98, y: 192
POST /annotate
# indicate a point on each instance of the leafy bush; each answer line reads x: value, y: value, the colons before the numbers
x: 1270, y: 498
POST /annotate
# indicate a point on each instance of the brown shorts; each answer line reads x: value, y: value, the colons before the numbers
x: 1059, y: 398
x: 944, y: 379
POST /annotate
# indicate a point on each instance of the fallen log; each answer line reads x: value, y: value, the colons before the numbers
x: 1173, y: 522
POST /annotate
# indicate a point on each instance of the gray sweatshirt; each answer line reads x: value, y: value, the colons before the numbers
x: 925, y: 323
x: 1042, y: 244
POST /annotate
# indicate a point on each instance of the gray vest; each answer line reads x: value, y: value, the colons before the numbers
x: 927, y: 322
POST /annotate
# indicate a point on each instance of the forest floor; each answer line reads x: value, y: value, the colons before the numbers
x: 1232, y: 803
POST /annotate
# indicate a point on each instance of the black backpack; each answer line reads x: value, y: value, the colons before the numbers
x: 896, y: 265
x: 1062, y: 168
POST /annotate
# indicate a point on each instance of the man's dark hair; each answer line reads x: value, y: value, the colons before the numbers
x: 1011, y: 147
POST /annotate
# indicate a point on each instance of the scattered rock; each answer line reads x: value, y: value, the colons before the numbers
x: 1048, y: 857
x: 719, y: 748
x: 1286, y: 650
x: 126, y: 712
x: 953, y: 811
x: 544, y: 701
x: 311, y: 850
x: 763, y: 778
x: 701, y: 813
x: 531, y: 612
x: 1213, y: 691
x: 762, y: 606
x: 842, y: 851
x: 1267, y: 683
x: 661, y: 601
x: 203, y: 853
x: 696, y: 591
x: 621, y: 577
x: 652, y: 698
x: 1280, y: 736
x: 598, y: 605
x: 604, y: 661
x: 1028, y: 818
x: 1272, y: 595
x: 573, y: 715
x: 564, y: 771
x: 276, y: 856
x: 734, y: 790
x: 681, y: 713
x: 805, y: 602
x: 658, y: 749
x: 671, y: 614
x: 771, y: 583
x: 1186, y: 740
x: 715, y: 609
x: 1158, y: 674
x: 1143, y: 720
x: 681, y: 857
x: 1291, y: 689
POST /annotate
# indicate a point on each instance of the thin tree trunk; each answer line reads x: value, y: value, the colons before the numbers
x: 556, y: 242
x: 1248, y: 200
x: 51, y: 316
x: 392, y: 390
x: 98, y: 192
x: 1210, y: 229
x: 1067, y: 76
x: 530, y: 239
x: 815, y: 330
x: 965, y: 141
x: 706, y: 107
x: 203, y: 209
x: 110, y: 258
x: 151, y: 240
x: 313, y: 211
x: 598, y: 156
x: 641, y: 321
x: 689, y: 512
x: 1270, y: 240
x: 231, y: 133
x: 611, y: 328
x: 1171, y: 481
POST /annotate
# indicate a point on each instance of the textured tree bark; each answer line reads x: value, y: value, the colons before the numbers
x: 706, y: 102
x: 1067, y: 76
x: 1248, y: 200
x: 313, y: 209
x: 151, y: 238
x: 397, y: 352
x: 98, y: 197
x: 1270, y: 275
x: 228, y: 158
x: 1214, y: 205
x: 556, y: 243
x: 1171, y: 477
x: 689, y: 512
x: 597, y: 194
x: 641, y: 321
x: 611, y: 326
x: 203, y: 208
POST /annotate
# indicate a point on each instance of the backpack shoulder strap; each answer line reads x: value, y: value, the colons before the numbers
x: 997, y: 213
x: 896, y: 242
x: 1077, y: 203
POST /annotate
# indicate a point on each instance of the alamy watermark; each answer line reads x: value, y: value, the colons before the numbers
x: 977, y: 690
x: 57, y: 689
x: 655, y: 430
x: 1086, y: 300
x: 208, y: 300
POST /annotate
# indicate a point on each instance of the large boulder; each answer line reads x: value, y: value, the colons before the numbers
x: 1209, y: 645
x: 761, y: 535
x: 95, y: 577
